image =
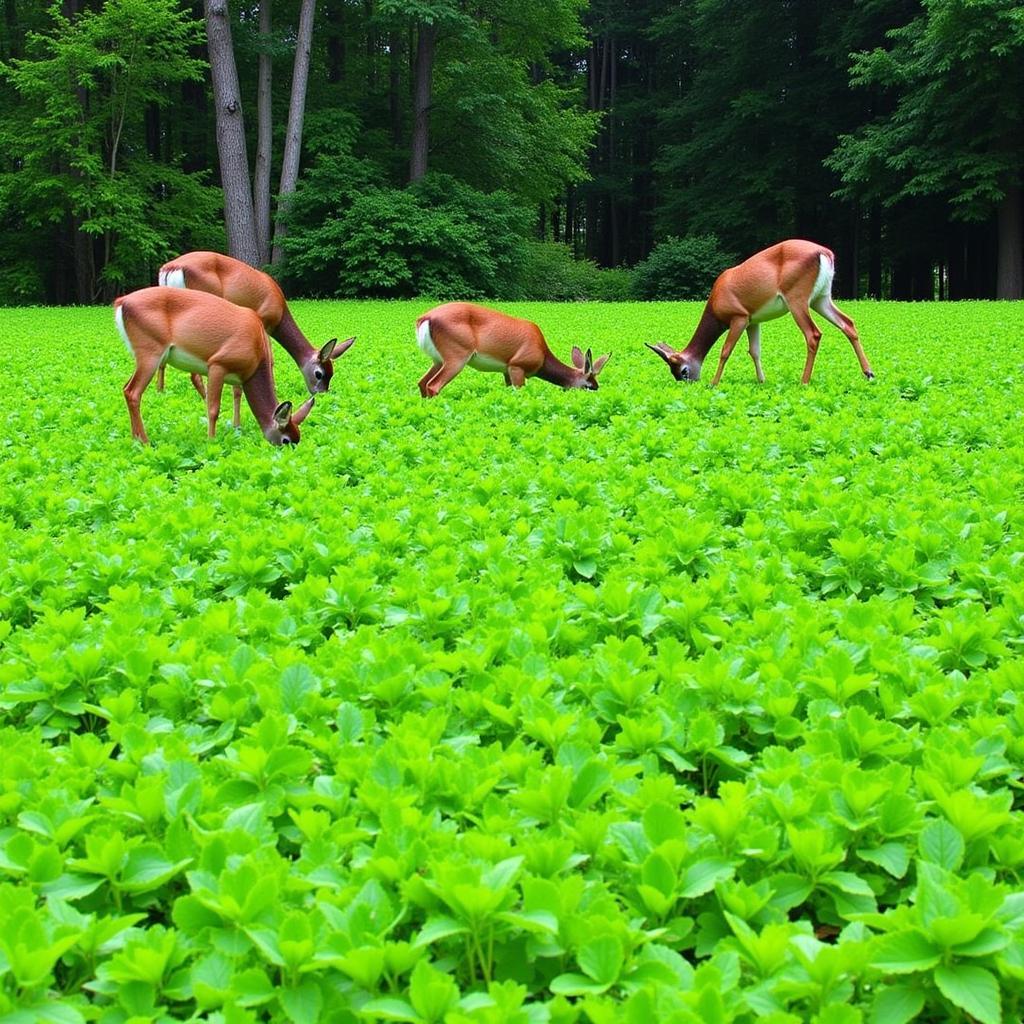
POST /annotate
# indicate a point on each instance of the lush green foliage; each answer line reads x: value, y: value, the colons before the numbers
x: 437, y: 237
x: 957, y: 72
x: 76, y: 145
x: 681, y: 268
x: 615, y: 125
x: 549, y: 272
x: 652, y: 704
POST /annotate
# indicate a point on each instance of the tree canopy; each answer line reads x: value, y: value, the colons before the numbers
x: 441, y: 132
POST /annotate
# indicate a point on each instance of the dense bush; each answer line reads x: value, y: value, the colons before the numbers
x: 681, y: 268
x: 551, y: 273
x: 352, y: 236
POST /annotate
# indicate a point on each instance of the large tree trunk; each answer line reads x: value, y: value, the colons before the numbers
x: 264, y: 138
x: 296, y: 114
x: 335, y: 43
x: 234, y: 161
x: 1010, y: 267
x: 394, y: 86
x: 426, y: 42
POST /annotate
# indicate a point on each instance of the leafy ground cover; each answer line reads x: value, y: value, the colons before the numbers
x: 655, y: 704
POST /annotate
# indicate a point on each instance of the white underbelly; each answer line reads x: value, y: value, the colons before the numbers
x: 778, y: 306
x: 182, y: 360
x: 771, y: 310
x: 487, y: 363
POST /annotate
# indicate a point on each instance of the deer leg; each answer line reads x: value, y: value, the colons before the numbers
x: 515, y: 376
x: 236, y: 421
x: 448, y: 372
x: 736, y: 328
x: 160, y: 379
x: 197, y: 383
x: 812, y: 335
x: 834, y: 315
x: 508, y: 379
x: 425, y: 379
x: 145, y: 368
x: 214, y: 387
x: 754, y: 338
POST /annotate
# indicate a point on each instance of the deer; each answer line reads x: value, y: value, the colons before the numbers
x: 459, y: 334
x: 794, y: 276
x: 243, y: 285
x: 203, y: 334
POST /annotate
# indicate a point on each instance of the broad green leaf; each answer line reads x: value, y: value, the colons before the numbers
x: 571, y: 984
x: 439, y: 927
x: 973, y: 989
x: 891, y: 857
x: 601, y: 959
x: 704, y: 875
x: 941, y: 843
x: 896, y: 1004
x: 302, y: 1003
x: 904, y: 953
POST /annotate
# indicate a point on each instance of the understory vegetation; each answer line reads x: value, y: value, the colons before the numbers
x: 659, y: 703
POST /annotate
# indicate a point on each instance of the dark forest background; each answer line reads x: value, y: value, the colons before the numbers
x: 511, y: 148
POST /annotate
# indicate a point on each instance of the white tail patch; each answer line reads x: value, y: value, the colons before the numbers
x: 426, y: 342
x: 171, y: 278
x: 119, y: 321
x: 823, y: 282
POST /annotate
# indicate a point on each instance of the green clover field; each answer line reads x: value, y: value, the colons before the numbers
x: 654, y: 705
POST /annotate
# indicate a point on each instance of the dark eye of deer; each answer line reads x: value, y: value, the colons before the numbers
x: 319, y: 374
x: 286, y: 440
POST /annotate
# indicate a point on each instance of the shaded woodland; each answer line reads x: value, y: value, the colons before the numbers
x: 444, y: 147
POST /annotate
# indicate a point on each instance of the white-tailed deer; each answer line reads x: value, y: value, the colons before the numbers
x: 203, y: 334
x: 458, y: 334
x: 794, y: 276
x: 243, y: 285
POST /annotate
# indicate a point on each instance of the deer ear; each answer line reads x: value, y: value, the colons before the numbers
x: 577, y: 357
x: 599, y: 364
x: 327, y: 350
x: 303, y: 411
x: 343, y: 347
x: 661, y: 349
x: 588, y: 362
x: 282, y: 414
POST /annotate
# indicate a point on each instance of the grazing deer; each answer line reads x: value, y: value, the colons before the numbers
x: 243, y: 285
x: 203, y: 334
x: 794, y: 276
x: 460, y: 333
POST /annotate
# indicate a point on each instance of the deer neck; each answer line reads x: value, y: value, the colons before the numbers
x: 554, y: 371
x: 292, y: 340
x: 708, y: 331
x: 261, y: 395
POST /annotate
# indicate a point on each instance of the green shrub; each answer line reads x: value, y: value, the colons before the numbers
x: 352, y: 236
x: 551, y: 273
x: 681, y: 268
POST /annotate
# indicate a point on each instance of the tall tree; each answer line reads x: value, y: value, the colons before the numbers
x: 78, y: 136
x: 296, y: 114
x: 239, y: 217
x: 957, y: 128
x: 264, y: 135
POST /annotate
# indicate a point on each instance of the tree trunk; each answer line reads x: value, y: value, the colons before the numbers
x: 234, y: 161
x: 296, y: 113
x: 875, y: 253
x: 426, y: 42
x: 335, y: 43
x: 264, y: 138
x: 371, y: 46
x: 1010, y: 266
x: 394, y: 86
